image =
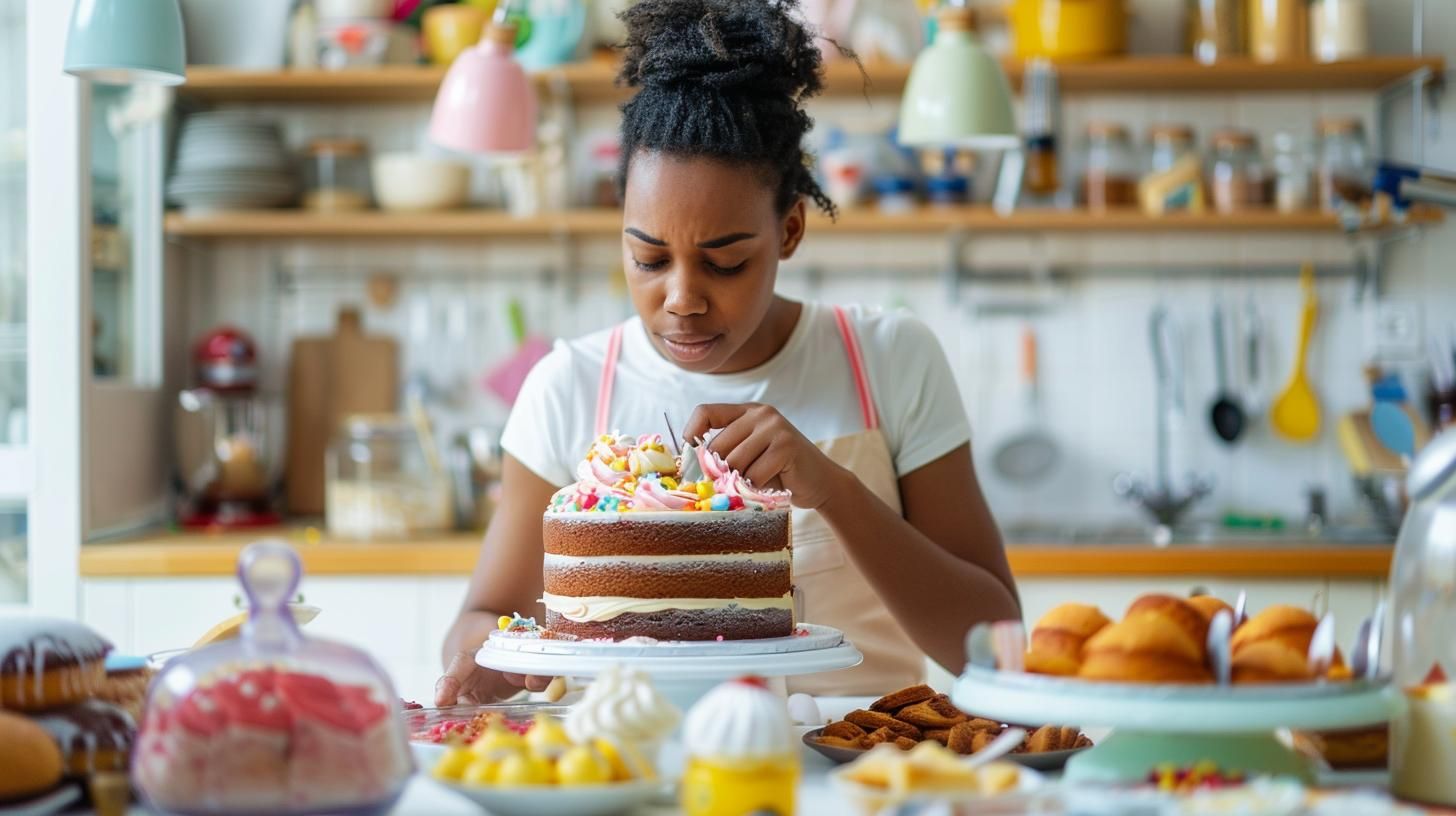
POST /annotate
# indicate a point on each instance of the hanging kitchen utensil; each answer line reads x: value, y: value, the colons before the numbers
x: 1031, y: 453
x: 1226, y: 413
x: 506, y: 378
x: 1295, y: 414
x: 1393, y: 427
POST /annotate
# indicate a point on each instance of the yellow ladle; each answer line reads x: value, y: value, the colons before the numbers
x: 1296, y: 412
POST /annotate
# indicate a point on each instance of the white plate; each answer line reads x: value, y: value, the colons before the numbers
x: 550, y: 800
x: 814, y: 637
x: 1031, y: 790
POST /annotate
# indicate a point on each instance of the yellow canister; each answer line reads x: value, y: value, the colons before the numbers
x: 1068, y: 29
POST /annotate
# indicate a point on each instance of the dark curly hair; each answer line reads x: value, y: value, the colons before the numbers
x: 725, y: 80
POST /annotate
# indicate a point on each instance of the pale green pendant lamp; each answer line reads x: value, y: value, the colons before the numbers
x: 127, y: 42
x: 957, y: 95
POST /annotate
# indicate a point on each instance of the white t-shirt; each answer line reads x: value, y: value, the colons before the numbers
x: 809, y: 381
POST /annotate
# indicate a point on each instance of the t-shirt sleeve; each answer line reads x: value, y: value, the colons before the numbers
x: 915, y: 392
x: 540, y: 423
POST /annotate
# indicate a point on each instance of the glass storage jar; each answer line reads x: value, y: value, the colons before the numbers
x: 1109, y: 168
x: 1167, y: 143
x: 1238, y: 178
x: 1423, y: 614
x: 1343, y: 162
x: 1338, y: 29
x: 1292, y: 173
x: 273, y: 721
x: 382, y: 481
x: 336, y: 176
x: 1278, y: 30
x: 1217, y: 29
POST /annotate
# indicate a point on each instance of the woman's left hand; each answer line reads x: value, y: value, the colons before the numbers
x: 770, y: 452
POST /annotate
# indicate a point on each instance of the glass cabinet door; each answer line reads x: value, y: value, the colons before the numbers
x: 14, y: 459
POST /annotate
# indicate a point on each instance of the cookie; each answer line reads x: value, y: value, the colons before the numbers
x: 872, y: 720
x: 843, y: 730
x: 857, y: 744
x: 1052, y: 738
x: 878, y: 736
x: 937, y: 712
x: 905, y: 743
x: 961, y: 737
x: 940, y: 735
x: 895, y: 701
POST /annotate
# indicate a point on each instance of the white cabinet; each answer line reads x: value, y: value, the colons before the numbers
x: 401, y: 621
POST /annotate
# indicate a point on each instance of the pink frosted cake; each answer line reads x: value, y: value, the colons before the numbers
x: 674, y: 548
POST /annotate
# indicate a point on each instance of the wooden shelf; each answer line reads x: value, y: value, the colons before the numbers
x: 595, y: 79
x: 604, y: 222
x: 189, y: 554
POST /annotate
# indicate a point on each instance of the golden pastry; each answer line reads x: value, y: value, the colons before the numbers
x: 904, y: 743
x: 1270, y: 661
x: 30, y: 762
x: 1348, y: 749
x: 895, y: 701
x: 874, y: 720
x: 843, y: 729
x: 1177, y: 610
x: 1210, y: 606
x: 1290, y: 624
x: 1057, y: 639
x: 856, y: 744
x: 937, y: 712
x: 878, y: 736
x: 1147, y: 647
x: 1082, y: 620
x: 1052, y: 738
x: 940, y: 735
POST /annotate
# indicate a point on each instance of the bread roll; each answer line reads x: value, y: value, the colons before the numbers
x: 1177, y: 610
x: 1270, y: 661
x: 1146, y: 647
x: 1210, y: 606
x: 30, y: 762
x: 1083, y: 620
x: 1289, y: 624
x: 1057, y: 640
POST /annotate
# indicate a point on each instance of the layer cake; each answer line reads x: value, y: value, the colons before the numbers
x: 646, y: 544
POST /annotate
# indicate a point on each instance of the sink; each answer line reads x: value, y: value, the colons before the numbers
x: 1193, y: 534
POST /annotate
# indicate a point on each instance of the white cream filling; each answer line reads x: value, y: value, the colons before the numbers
x: 564, y: 561
x: 592, y: 608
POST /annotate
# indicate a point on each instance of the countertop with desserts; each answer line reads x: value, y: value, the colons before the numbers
x: 177, y: 554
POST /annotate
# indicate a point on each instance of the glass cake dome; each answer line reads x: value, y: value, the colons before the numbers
x: 274, y: 721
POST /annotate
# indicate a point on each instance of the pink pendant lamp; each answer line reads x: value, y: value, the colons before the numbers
x: 486, y: 104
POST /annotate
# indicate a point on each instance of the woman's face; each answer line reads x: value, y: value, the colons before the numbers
x: 701, y: 245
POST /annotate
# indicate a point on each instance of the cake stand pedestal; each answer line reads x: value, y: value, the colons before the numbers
x: 682, y: 671
x: 1233, y: 726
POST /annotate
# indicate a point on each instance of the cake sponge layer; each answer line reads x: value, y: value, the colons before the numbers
x: 703, y: 533
x: 731, y: 623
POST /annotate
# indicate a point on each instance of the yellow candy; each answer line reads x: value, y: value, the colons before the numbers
x: 503, y: 622
x: 669, y: 483
x: 705, y: 504
x: 481, y: 772
x: 498, y: 743
x: 547, y: 739
x: 619, y: 465
x: 582, y: 766
x: 453, y: 764
x: 705, y: 490
x: 520, y: 769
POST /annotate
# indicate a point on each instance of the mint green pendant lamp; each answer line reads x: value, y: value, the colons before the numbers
x: 127, y: 42
x: 957, y: 94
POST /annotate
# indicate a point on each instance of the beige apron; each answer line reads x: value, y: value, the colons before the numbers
x: 833, y: 590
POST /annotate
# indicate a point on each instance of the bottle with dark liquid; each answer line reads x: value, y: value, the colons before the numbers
x: 1042, y: 178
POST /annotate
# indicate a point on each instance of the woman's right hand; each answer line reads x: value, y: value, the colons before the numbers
x: 466, y: 683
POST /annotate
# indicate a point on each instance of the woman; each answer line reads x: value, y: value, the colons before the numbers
x: 853, y: 411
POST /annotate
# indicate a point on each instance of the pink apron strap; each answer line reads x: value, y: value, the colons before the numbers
x: 857, y: 369
x: 609, y: 373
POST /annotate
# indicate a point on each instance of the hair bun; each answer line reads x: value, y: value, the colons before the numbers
x: 756, y: 47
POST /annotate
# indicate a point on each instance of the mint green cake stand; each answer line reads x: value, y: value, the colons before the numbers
x: 1232, y: 726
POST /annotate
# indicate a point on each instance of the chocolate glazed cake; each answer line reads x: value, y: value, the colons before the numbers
x: 648, y: 545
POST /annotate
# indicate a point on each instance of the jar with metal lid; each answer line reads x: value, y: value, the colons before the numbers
x: 1217, y: 29
x: 336, y: 176
x: 1238, y: 177
x: 383, y: 482
x: 1109, y: 167
x: 1278, y: 30
x: 1339, y: 29
x: 1292, y: 173
x: 1343, y: 161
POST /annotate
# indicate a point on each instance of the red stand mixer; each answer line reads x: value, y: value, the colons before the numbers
x: 228, y: 438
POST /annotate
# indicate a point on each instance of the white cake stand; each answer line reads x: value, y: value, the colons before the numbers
x: 683, y: 671
x: 1155, y: 724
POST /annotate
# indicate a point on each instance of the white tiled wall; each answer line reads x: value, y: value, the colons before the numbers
x: 1097, y: 374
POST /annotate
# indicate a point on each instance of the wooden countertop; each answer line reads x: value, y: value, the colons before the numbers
x: 189, y: 554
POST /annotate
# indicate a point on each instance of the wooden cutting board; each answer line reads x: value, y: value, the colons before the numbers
x: 329, y: 378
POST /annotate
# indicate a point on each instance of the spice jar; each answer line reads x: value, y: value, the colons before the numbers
x: 382, y: 482
x: 1343, y: 162
x: 1216, y: 29
x: 336, y: 176
x: 1167, y: 143
x: 1041, y: 178
x: 1278, y: 30
x: 1338, y: 29
x: 1109, y: 168
x: 1291, y: 164
x: 1237, y: 172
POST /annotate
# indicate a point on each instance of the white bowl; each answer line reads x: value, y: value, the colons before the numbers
x: 551, y: 800
x: 414, y: 182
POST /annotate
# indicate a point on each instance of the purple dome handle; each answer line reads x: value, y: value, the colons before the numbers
x: 269, y: 571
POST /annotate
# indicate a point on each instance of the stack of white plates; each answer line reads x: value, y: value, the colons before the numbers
x: 230, y: 161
